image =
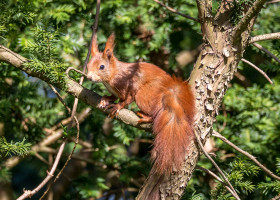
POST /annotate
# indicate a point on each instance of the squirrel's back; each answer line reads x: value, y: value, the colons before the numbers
x: 170, y: 102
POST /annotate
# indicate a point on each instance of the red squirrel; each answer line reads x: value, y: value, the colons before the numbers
x: 166, y: 101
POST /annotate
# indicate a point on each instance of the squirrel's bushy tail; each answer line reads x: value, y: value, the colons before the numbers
x: 173, y: 126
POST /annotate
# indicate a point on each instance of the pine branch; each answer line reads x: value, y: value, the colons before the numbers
x: 50, y: 139
x: 13, y: 148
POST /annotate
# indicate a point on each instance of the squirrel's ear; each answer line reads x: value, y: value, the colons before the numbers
x: 109, y: 48
x: 94, y: 46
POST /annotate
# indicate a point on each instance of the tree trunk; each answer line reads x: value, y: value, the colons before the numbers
x: 216, y: 64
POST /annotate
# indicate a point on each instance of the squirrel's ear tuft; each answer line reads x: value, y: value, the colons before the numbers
x: 109, y: 48
x: 94, y: 46
x: 108, y: 54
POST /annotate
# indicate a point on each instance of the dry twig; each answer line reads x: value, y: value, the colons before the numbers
x: 217, y: 178
x: 175, y: 11
x: 73, y: 117
x: 267, y: 51
x: 258, y: 69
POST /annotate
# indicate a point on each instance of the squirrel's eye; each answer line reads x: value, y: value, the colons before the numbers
x: 101, y: 67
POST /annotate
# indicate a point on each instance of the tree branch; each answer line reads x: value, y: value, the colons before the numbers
x: 28, y: 193
x: 175, y: 11
x: 244, y: 22
x: 50, y: 139
x: 204, y: 9
x: 218, y: 179
x: 270, y: 173
x: 206, y: 19
x: 88, y: 96
x: 216, y: 166
x: 270, y: 36
x: 267, y: 51
x: 273, y: 1
x: 258, y: 69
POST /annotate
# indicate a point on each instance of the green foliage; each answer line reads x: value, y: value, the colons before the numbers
x: 92, y: 189
x: 271, y: 186
x: 252, y: 124
x: 13, y: 148
x: 196, y: 197
x: 61, y: 13
x: 5, y: 175
x: 45, y: 58
x: 124, y: 133
x: 238, y: 172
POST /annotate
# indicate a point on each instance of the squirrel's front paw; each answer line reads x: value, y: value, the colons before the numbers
x: 105, y: 102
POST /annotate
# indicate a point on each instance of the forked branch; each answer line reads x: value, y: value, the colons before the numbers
x: 216, y: 166
x: 244, y: 22
x: 218, y: 179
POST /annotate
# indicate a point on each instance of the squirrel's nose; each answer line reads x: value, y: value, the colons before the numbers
x: 89, y: 75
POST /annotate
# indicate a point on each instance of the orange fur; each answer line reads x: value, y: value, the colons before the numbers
x: 165, y: 99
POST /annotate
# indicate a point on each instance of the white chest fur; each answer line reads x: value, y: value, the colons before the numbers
x: 110, y: 89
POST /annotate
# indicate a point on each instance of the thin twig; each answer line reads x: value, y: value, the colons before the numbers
x: 269, y: 36
x: 270, y: 173
x: 72, y: 68
x: 60, y: 98
x: 258, y: 69
x: 273, y: 1
x: 175, y: 11
x: 252, y: 12
x: 73, y: 117
x: 216, y: 166
x: 77, y: 125
x: 37, y: 155
x: 29, y: 193
x: 75, y: 105
x: 218, y: 179
x: 267, y: 51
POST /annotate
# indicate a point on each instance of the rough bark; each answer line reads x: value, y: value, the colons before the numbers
x: 213, y: 70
